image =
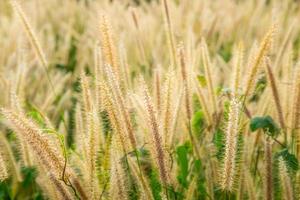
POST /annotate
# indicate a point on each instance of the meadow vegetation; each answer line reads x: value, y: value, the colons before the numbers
x: 149, y: 99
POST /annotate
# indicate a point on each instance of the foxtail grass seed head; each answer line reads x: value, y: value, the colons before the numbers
x: 109, y: 50
x: 120, y: 105
x: 230, y: 165
x: 157, y: 145
x: 112, y: 114
x: 182, y: 57
x: 38, y: 143
x: 263, y: 50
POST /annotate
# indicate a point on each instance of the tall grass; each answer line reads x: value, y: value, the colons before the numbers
x: 149, y: 99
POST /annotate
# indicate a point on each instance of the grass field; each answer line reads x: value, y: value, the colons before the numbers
x: 149, y: 99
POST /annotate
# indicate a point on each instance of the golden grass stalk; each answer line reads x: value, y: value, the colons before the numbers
x: 32, y: 38
x: 142, y: 182
x: 297, y: 188
x: 30, y: 33
x: 3, y: 170
x: 15, y: 102
x: 239, y: 61
x: 15, y: 105
x: 275, y: 93
x: 98, y: 75
x: 80, y: 131
x: 167, y: 113
x: 104, y: 163
x: 241, y: 189
x: 86, y: 95
x: 203, y: 103
x: 157, y: 146
x: 208, y: 75
x: 108, y: 104
x: 295, y: 114
x: 184, y: 76
x: 229, y: 170
x: 12, y: 164
x: 285, y: 181
x: 93, y: 144
x: 170, y: 33
x: 48, y: 187
x: 124, y: 68
x: 118, y: 189
x: 191, y: 189
x: 210, y: 175
x: 187, y: 96
x: 268, y: 180
x: 288, y: 72
x: 175, y: 117
x: 108, y: 46
x: 120, y: 105
x: 64, y: 194
x: 157, y: 84
x: 250, y: 186
x: 138, y: 39
x: 135, y: 19
x: 263, y: 50
x: 284, y: 45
